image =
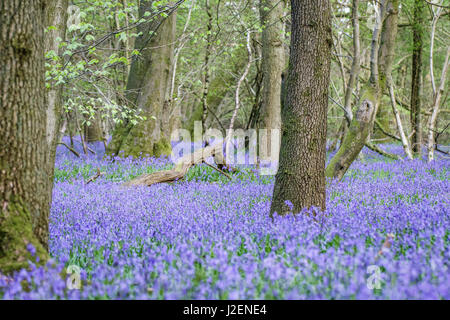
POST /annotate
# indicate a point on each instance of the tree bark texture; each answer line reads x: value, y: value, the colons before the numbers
x: 24, y: 201
x: 416, y: 74
x: 300, y: 178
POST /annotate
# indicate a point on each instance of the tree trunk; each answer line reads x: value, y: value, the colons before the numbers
x: 432, y: 144
x: 93, y: 132
x: 147, y: 89
x: 24, y: 200
x: 206, y: 67
x: 56, y: 17
x: 416, y: 74
x: 300, y: 178
x: 386, y: 57
x: 273, y: 64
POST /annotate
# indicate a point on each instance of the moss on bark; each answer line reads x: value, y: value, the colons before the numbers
x: 16, y: 235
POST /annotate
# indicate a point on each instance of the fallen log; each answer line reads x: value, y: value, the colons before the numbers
x: 182, y: 167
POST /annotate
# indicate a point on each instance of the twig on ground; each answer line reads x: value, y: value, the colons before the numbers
x: 97, y: 175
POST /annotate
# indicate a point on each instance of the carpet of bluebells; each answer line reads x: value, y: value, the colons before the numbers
x: 210, y: 238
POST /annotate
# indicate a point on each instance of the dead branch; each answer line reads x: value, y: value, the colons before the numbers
x: 97, y: 175
x: 71, y: 149
x: 385, y: 132
x: 219, y: 170
x: 378, y: 150
x: 386, y: 244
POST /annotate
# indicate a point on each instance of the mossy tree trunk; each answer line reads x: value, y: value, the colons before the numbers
x: 362, y: 124
x: 300, y: 178
x: 24, y: 200
x: 386, y: 57
x: 146, y: 89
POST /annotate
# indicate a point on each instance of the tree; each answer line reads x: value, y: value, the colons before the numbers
x: 147, y: 86
x: 56, y: 23
x: 300, y: 178
x: 24, y: 199
x: 416, y: 74
x: 273, y: 63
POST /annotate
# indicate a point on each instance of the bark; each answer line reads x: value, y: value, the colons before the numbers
x: 24, y: 199
x: 206, y: 69
x: 56, y: 17
x: 436, y: 104
x: 147, y: 90
x: 237, y: 102
x: 416, y: 74
x: 386, y: 56
x: 398, y: 120
x: 93, y: 132
x: 354, y: 73
x: 257, y: 84
x: 437, y: 92
x: 387, y: 53
x: 300, y: 178
x: 378, y: 150
x: 175, y: 116
x: 181, y: 168
x: 362, y: 124
x: 273, y: 63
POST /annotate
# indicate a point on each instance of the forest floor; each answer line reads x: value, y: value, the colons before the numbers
x: 385, y: 235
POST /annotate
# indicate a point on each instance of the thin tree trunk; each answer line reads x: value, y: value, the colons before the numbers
x: 436, y: 105
x: 398, y: 120
x: 237, y: 102
x: 354, y: 73
x: 300, y: 178
x: 416, y: 74
x: 55, y: 17
x: 24, y: 197
x: 206, y: 69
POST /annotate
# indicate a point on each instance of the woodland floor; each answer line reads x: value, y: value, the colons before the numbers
x: 211, y: 238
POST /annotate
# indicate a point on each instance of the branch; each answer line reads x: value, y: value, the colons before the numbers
x: 218, y: 170
x: 385, y: 132
x: 377, y: 149
x: 97, y: 175
x: 71, y: 149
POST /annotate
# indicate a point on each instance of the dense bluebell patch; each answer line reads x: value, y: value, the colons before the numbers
x: 210, y: 238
